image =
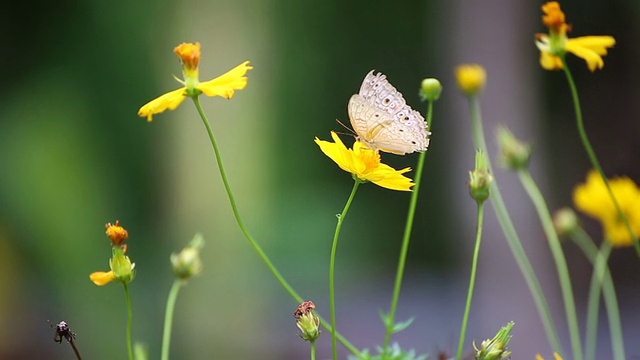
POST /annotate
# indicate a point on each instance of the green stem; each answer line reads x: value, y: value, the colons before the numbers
x: 313, y: 350
x: 602, y: 278
x: 332, y: 263
x: 129, y: 321
x: 512, y: 236
x: 472, y: 280
x: 592, y: 154
x: 390, y: 319
x: 248, y: 236
x: 168, y: 318
x: 558, y: 256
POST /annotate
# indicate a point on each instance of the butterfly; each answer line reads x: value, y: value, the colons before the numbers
x: 383, y: 121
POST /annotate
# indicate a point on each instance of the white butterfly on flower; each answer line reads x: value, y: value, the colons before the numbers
x: 382, y: 119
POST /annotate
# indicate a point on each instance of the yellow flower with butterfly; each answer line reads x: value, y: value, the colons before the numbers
x: 364, y: 164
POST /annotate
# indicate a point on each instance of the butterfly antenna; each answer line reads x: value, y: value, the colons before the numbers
x: 350, y: 133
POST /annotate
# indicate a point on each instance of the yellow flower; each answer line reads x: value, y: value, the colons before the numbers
x: 556, y: 44
x: 555, y: 356
x: 365, y: 164
x: 121, y: 267
x: 471, y: 78
x: 593, y: 199
x: 224, y: 85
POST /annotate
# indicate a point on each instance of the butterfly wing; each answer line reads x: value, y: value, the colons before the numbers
x: 403, y: 130
x: 377, y: 130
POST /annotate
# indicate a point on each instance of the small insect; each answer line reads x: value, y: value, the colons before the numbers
x: 63, y: 332
x: 304, y: 308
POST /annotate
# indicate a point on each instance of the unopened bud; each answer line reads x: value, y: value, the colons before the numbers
x: 496, y: 348
x: 480, y: 179
x: 514, y: 154
x: 430, y: 89
x: 187, y: 263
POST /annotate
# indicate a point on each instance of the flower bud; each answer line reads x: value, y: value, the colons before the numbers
x: 430, y: 89
x: 565, y: 221
x: 496, y: 348
x: 306, y: 321
x: 514, y: 154
x: 480, y: 179
x: 122, y: 267
x: 187, y: 263
x: 471, y: 78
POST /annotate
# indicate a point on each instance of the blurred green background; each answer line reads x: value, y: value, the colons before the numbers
x: 74, y: 155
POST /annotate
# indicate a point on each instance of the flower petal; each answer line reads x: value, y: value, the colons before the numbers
x: 226, y: 84
x: 599, y: 44
x: 170, y: 101
x: 592, y: 198
x: 591, y: 49
x: 387, y: 177
x: 102, y: 278
x: 338, y: 152
x: 364, y: 164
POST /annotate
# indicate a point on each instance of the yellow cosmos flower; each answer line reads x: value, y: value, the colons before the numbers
x: 556, y: 44
x: 365, y: 164
x: 121, y: 267
x: 471, y: 78
x: 555, y: 356
x: 593, y: 199
x: 224, y: 85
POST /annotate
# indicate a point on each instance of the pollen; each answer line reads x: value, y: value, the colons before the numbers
x: 554, y: 18
x: 189, y: 54
x: 116, y: 233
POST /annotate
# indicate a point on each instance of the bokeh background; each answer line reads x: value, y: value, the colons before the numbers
x: 74, y: 155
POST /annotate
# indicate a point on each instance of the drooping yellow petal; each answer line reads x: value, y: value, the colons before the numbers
x: 170, y: 101
x: 364, y: 164
x: 591, y: 49
x: 102, y: 278
x: 550, y: 62
x: 226, y: 84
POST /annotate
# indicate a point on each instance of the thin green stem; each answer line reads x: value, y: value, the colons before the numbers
x: 168, y: 318
x: 558, y: 256
x: 405, y: 241
x: 584, y: 242
x: 332, y: 264
x: 313, y: 350
x: 129, y: 321
x: 512, y: 236
x: 248, y: 236
x: 592, y: 154
x: 472, y: 280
